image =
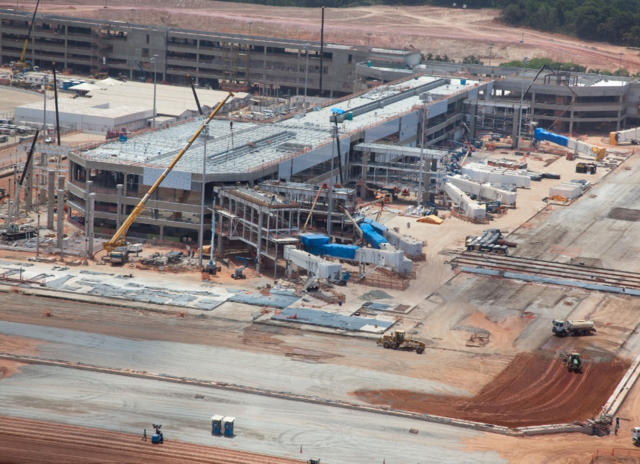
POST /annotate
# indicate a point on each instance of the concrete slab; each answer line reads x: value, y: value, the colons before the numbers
x: 333, y: 320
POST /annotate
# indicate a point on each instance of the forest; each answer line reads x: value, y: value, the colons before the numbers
x: 613, y: 21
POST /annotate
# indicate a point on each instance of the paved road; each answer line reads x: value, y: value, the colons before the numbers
x: 268, y: 371
x: 263, y: 424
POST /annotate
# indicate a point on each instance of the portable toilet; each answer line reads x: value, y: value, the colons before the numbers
x: 216, y: 425
x: 227, y: 426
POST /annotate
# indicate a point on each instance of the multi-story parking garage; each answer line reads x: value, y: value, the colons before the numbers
x: 91, y: 46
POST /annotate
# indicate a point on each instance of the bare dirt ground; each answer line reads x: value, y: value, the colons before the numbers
x: 454, y: 32
x: 535, y: 389
x: 27, y: 441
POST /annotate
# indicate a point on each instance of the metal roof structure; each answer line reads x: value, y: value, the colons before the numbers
x: 252, y: 147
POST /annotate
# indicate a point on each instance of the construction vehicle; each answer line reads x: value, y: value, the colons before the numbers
x: 122, y: 256
x: 158, y: 437
x: 314, y: 461
x: 238, y: 273
x: 635, y: 436
x: 118, y: 242
x: 566, y: 328
x: 12, y: 231
x: 400, y: 339
x: 22, y: 65
x: 574, y: 362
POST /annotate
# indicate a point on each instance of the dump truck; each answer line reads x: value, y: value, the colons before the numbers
x: 400, y: 339
x: 566, y: 328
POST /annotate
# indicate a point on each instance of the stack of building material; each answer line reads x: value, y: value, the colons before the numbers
x: 484, y: 190
x: 484, y: 173
x: 409, y: 245
x: 568, y: 190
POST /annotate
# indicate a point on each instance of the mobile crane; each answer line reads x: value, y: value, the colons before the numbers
x: 118, y: 243
x: 21, y: 65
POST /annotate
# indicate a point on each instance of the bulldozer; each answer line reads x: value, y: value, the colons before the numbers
x: 400, y: 339
x: 574, y: 362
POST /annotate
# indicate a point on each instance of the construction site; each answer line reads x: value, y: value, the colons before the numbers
x: 438, y: 267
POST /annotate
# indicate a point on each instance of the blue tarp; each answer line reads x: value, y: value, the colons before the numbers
x: 313, y: 240
x: 337, y: 111
x: 542, y: 134
x: 340, y: 251
x: 372, y: 237
x: 380, y: 228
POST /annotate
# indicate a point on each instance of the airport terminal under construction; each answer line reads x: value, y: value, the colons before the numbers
x: 426, y: 270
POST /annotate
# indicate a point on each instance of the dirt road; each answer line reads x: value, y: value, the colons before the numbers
x: 454, y: 32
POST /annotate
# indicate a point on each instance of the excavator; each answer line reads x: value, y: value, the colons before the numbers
x: 118, y: 244
x: 21, y: 65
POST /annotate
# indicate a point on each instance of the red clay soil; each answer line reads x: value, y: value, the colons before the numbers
x: 27, y: 441
x: 533, y: 390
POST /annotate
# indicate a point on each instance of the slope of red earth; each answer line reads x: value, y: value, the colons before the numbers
x: 535, y: 389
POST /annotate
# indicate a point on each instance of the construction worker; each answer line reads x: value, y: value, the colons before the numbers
x: 144, y: 435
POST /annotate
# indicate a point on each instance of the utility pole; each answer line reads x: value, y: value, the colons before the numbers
x: 525, y: 61
x: 154, y: 60
x: 321, y: 50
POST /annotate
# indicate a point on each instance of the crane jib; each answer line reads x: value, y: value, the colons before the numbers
x: 119, y: 237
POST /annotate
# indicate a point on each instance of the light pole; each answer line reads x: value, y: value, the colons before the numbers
x: 620, y: 63
x: 204, y: 173
x: 44, y: 120
x: 38, y: 239
x: 306, y: 73
x: 525, y: 61
x: 424, y: 123
x: 154, y: 60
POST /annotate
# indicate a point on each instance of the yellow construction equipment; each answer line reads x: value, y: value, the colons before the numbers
x: 22, y: 65
x: 118, y: 243
x: 400, y: 339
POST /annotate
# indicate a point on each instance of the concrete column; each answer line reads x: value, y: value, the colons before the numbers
x: 120, y: 188
x: 161, y: 233
x: 91, y: 220
x: 365, y: 161
x: 329, y: 211
x: 87, y: 195
x: 60, y: 228
x: 259, y: 247
x: 514, y: 133
x: 472, y: 125
x: 51, y: 192
x: 571, y: 122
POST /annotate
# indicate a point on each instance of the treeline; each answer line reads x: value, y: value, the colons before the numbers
x: 614, y: 21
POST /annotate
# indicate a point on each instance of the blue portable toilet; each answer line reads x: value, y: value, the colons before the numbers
x: 463, y: 82
x: 157, y: 438
x: 216, y: 425
x: 227, y: 426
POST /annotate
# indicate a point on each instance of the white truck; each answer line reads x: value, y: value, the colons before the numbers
x: 566, y: 328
